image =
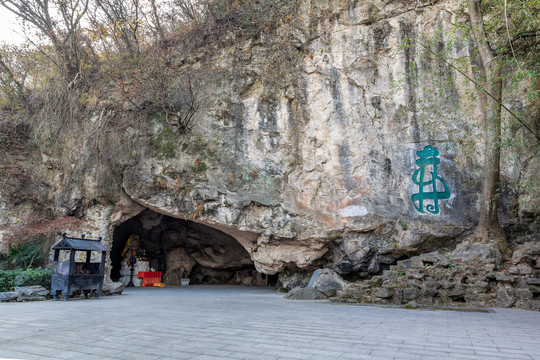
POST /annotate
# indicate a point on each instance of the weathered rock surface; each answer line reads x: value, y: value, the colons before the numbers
x: 35, y: 290
x: 305, y: 168
x: 323, y: 284
x: 9, y: 295
x: 113, y: 288
x: 248, y: 277
x: 26, y: 293
x: 204, y: 275
x: 179, y: 265
x: 302, y: 174
x: 288, y: 279
x: 478, y: 254
x: 465, y: 277
x: 300, y: 293
x: 328, y: 282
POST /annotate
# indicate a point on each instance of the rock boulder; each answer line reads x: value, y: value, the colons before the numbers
x: 329, y: 282
x: 115, y: 288
x: 31, y: 293
x: 8, y: 296
x: 300, y: 293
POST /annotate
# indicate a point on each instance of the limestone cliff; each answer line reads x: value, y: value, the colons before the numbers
x: 303, y: 143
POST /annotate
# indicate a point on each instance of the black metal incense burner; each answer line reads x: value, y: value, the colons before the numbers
x: 68, y: 274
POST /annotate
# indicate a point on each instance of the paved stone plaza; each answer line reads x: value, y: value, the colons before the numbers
x: 226, y: 322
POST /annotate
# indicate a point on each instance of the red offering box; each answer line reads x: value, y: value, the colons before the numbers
x: 150, y: 278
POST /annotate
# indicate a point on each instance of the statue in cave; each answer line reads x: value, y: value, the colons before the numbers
x: 133, y: 256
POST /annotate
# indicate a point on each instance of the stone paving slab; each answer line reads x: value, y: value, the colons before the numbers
x: 256, y: 323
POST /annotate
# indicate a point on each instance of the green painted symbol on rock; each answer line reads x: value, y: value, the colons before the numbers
x: 428, y: 160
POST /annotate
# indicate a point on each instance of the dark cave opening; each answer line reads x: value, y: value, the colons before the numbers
x: 181, y: 249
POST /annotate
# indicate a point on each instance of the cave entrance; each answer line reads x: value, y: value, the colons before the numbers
x: 181, y: 249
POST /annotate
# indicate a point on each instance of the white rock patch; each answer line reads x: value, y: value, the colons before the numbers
x: 352, y: 211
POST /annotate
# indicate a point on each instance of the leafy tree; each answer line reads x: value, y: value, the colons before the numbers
x: 494, y: 49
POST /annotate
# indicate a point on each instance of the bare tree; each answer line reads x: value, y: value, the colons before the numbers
x: 9, y: 81
x: 59, y: 21
x: 187, y: 100
x: 123, y: 20
x: 190, y: 10
x: 158, y: 28
x: 176, y: 95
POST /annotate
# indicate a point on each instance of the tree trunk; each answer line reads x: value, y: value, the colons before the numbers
x: 488, y: 227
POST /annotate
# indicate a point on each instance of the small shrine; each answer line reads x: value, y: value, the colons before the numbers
x: 78, y: 264
x: 134, y: 262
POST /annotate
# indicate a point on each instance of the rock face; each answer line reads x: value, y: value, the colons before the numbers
x: 304, y: 166
x: 319, y: 168
x: 448, y: 280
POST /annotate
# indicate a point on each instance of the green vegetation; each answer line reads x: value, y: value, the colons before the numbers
x: 199, y: 167
x: 166, y: 141
x: 21, y: 256
x: 28, y: 277
x: 16, y: 267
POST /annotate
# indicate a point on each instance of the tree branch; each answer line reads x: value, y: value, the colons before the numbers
x: 20, y: 88
x: 480, y: 87
x: 526, y: 34
x: 484, y: 48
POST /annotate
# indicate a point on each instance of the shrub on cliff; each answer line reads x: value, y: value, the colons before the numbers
x: 11, y: 278
x: 20, y: 256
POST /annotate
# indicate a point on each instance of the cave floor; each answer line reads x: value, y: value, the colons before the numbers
x: 230, y: 322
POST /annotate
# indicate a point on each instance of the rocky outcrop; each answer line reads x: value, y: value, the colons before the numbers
x: 470, y: 277
x: 179, y: 265
x: 318, y: 166
x: 8, y: 296
x: 303, y: 148
x: 39, y: 293
x: 31, y: 293
x: 327, y: 282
